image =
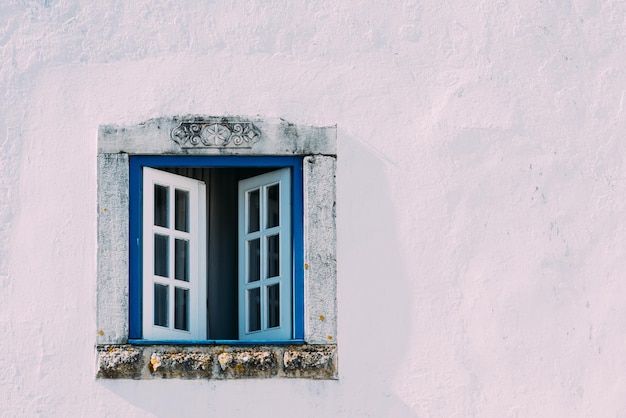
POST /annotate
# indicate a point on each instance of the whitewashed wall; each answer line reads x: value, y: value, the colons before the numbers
x: 481, y: 195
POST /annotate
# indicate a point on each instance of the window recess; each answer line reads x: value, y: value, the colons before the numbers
x: 216, y: 249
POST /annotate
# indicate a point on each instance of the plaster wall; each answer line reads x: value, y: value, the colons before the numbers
x: 480, y: 195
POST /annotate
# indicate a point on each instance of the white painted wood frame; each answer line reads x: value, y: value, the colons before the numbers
x: 265, y: 234
x: 196, y: 238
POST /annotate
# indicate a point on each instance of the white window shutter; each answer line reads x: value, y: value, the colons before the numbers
x: 174, y: 262
x: 265, y: 257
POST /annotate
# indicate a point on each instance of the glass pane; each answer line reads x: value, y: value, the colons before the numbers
x: 161, y: 255
x: 273, y: 296
x: 253, y: 211
x: 273, y: 257
x: 273, y: 211
x: 254, y: 309
x: 181, y: 248
x: 181, y: 309
x: 160, y: 205
x: 181, y: 213
x: 254, y: 260
x: 161, y: 294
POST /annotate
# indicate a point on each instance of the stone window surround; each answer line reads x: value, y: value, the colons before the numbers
x: 206, y: 136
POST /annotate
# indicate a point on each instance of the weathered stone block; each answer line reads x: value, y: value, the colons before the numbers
x: 187, y: 365
x: 119, y: 362
x: 248, y: 363
x: 316, y: 362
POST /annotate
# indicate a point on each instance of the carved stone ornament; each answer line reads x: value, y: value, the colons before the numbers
x: 208, y: 134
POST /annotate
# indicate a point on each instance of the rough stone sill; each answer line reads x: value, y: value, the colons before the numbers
x: 125, y: 361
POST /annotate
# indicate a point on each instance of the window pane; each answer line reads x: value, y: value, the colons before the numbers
x: 161, y: 255
x: 160, y: 205
x: 254, y: 309
x: 254, y: 260
x: 253, y: 211
x: 161, y: 294
x: 273, y: 296
x: 181, y: 214
x: 181, y: 309
x: 273, y: 211
x: 181, y: 247
x: 273, y: 258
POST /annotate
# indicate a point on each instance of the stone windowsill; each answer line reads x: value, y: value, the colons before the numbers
x: 125, y: 361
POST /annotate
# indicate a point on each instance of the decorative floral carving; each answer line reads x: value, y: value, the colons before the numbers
x: 206, y: 134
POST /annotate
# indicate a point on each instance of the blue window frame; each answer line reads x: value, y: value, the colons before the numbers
x: 138, y: 162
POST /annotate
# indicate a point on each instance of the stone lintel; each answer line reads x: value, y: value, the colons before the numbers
x: 217, y: 135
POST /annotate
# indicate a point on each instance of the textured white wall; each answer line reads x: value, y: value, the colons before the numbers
x: 481, y: 194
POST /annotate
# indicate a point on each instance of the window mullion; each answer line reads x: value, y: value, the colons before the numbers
x: 263, y: 254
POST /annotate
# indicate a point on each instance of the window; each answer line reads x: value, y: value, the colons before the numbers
x: 172, y: 259
x: 216, y: 232
x: 264, y: 256
x: 216, y: 248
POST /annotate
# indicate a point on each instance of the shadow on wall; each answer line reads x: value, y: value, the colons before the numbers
x: 374, y: 308
x: 373, y: 311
